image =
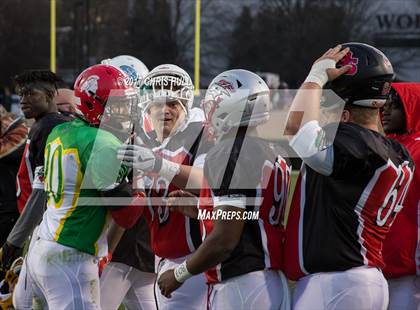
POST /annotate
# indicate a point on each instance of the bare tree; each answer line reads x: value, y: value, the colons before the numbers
x: 290, y: 34
x: 163, y: 31
x: 25, y: 39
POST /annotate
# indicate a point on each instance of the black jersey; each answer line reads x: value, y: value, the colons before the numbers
x: 249, y: 169
x: 134, y: 248
x: 340, y: 221
x: 33, y: 155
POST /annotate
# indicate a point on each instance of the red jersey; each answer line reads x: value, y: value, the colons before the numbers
x: 402, y: 246
x: 172, y: 234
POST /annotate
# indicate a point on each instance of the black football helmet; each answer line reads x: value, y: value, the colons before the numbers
x: 368, y: 82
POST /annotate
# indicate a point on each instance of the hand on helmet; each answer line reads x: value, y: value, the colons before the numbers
x: 324, y: 68
x: 139, y: 157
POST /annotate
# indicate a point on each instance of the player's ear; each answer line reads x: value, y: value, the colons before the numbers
x: 345, y: 116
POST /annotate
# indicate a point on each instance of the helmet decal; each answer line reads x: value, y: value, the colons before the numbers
x: 349, y: 60
x: 226, y: 85
x: 90, y: 85
x: 133, y: 76
x: 235, y: 98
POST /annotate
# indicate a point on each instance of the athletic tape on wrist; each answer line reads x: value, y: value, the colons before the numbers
x: 169, y: 169
x: 181, y: 273
x: 318, y: 73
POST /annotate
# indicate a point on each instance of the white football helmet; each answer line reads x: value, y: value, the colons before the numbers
x: 167, y: 83
x: 132, y: 66
x: 236, y: 98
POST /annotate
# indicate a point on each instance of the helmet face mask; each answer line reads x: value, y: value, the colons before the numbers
x: 235, y: 98
x: 167, y: 83
x: 120, y: 110
x: 164, y: 85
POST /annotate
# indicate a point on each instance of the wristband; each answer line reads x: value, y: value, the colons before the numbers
x: 181, y: 272
x: 318, y: 73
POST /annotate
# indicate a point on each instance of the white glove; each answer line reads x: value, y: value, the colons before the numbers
x: 137, y: 156
x: 318, y: 73
x: 144, y: 159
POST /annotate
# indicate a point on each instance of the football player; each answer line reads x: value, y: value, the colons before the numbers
x: 37, y: 89
x: 401, y: 121
x: 80, y: 169
x: 350, y: 186
x: 176, y: 163
x: 241, y: 258
x: 129, y: 276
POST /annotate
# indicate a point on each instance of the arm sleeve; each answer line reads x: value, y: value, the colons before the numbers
x: 199, y: 161
x: 29, y: 219
x: 310, y: 144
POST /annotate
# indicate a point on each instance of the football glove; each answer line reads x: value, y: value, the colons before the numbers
x: 145, y: 160
x: 139, y: 157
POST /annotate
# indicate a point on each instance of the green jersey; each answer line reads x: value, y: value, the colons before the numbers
x: 80, y: 161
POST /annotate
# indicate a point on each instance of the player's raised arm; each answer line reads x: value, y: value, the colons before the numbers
x: 306, y: 104
x: 307, y: 136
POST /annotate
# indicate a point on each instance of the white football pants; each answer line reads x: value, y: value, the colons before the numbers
x: 264, y: 289
x: 357, y: 288
x: 121, y: 283
x: 63, y: 277
x: 404, y: 293
x: 191, y: 295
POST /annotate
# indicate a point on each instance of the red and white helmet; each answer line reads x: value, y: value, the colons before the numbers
x: 236, y: 98
x: 95, y: 85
